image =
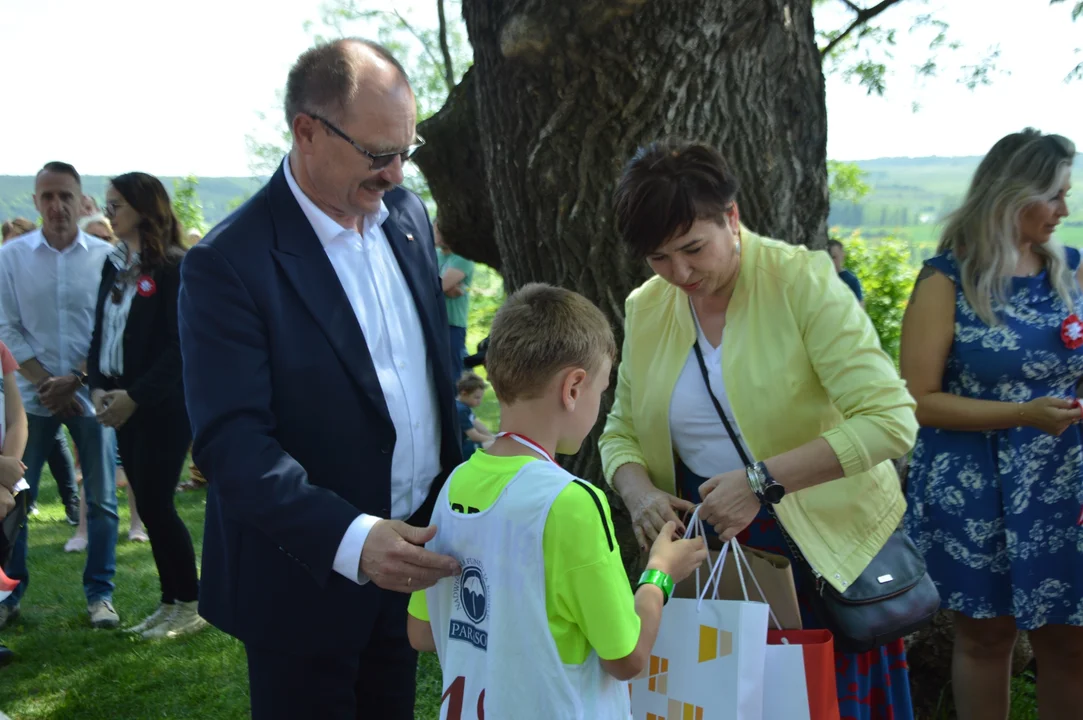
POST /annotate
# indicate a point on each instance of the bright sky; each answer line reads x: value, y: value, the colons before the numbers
x: 119, y: 85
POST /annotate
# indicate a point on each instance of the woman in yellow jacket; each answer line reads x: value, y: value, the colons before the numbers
x: 797, y: 368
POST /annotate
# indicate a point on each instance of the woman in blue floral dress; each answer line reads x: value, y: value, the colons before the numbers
x: 992, y: 351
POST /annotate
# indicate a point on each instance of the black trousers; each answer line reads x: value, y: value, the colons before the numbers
x: 378, y: 683
x: 153, y: 446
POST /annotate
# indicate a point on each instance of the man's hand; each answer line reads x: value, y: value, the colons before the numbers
x: 454, y: 292
x: 118, y: 408
x: 394, y: 559
x: 56, y: 394
x: 11, y: 471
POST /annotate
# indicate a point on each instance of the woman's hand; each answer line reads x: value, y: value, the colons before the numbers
x: 119, y: 406
x: 729, y: 504
x: 97, y: 397
x: 1051, y: 415
x: 649, y: 507
x: 11, y: 471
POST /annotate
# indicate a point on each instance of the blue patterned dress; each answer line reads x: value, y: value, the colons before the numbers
x: 995, y: 513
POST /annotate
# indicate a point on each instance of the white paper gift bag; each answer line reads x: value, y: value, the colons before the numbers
x: 708, y: 660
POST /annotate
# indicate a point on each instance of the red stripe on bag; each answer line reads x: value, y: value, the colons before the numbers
x: 818, y: 647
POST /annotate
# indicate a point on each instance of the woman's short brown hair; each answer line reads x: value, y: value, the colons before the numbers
x: 666, y: 187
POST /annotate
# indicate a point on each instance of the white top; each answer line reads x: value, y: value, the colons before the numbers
x: 115, y: 316
x: 699, y: 437
x: 490, y: 623
x: 47, y: 303
x: 381, y: 300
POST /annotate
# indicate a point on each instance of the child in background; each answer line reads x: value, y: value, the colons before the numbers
x: 474, y: 433
x: 541, y: 622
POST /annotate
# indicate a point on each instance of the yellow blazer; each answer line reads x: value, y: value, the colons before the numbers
x: 800, y: 360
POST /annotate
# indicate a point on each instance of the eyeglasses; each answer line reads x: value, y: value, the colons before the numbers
x: 111, y: 208
x: 376, y: 162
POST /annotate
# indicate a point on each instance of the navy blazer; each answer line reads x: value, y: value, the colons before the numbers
x: 291, y: 428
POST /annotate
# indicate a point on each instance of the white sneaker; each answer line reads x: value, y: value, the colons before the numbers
x: 77, y: 543
x: 159, y: 616
x: 102, y: 614
x: 184, y: 620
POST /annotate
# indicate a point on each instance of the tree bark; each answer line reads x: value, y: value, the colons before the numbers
x: 566, y: 91
x: 452, y: 163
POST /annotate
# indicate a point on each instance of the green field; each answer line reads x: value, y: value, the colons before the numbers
x: 923, y: 239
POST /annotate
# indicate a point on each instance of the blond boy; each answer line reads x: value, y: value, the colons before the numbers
x: 541, y: 623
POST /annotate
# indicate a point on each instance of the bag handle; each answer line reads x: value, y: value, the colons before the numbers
x: 696, y: 527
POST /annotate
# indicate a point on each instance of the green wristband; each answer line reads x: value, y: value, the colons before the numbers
x: 659, y: 579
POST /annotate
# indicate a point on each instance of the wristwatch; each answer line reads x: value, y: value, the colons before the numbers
x: 763, y: 483
x: 659, y: 579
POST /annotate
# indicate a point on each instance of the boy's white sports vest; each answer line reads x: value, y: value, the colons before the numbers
x: 492, y: 634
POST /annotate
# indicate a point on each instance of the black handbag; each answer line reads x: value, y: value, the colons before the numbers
x: 892, y: 598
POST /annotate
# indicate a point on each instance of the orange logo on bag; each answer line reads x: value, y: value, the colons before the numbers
x: 677, y: 710
x: 714, y: 643
x: 657, y: 675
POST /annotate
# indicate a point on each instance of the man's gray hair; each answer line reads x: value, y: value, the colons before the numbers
x: 325, y: 78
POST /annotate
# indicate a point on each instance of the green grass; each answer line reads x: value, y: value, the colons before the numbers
x: 67, y: 671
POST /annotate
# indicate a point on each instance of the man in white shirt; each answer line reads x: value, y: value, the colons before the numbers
x: 48, y: 293
x: 318, y: 381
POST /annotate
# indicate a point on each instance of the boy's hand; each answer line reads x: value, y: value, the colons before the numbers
x: 675, y: 557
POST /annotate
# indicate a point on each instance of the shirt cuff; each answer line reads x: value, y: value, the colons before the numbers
x: 348, y: 556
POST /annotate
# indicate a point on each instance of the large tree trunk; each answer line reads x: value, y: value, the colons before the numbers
x: 565, y: 91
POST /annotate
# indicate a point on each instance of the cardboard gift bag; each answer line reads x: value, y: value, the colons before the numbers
x: 774, y: 575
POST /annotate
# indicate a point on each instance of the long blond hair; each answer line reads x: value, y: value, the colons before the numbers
x: 1021, y: 169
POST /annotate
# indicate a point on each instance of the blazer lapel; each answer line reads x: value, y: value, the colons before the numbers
x: 410, y: 254
x: 306, y: 266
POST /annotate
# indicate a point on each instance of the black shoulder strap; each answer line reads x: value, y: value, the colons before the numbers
x: 718, y: 407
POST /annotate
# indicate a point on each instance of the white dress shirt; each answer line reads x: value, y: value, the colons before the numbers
x: 699, y: 437
x: 381, y: 300
x: 47, y: 303
x: 115, y: 316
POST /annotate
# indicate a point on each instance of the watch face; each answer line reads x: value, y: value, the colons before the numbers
x: 774, y: 493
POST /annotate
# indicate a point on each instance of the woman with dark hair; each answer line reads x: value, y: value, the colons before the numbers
x: 134, y: 370
x: 992, y: 349
x: 794, y: 365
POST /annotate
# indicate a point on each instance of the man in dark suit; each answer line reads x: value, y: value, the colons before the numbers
x: 317, y: 378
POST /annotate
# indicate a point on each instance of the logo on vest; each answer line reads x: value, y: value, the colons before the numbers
x: 471, y: 598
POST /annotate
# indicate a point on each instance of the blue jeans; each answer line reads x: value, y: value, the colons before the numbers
x: 457, y: 335
x: 97, y: 454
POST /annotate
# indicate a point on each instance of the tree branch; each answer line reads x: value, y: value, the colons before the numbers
x: 449, y: 68
x: 410, y: 29
x: 863, y: 17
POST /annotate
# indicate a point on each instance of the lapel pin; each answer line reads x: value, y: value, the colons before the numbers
x: 409, y: 237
